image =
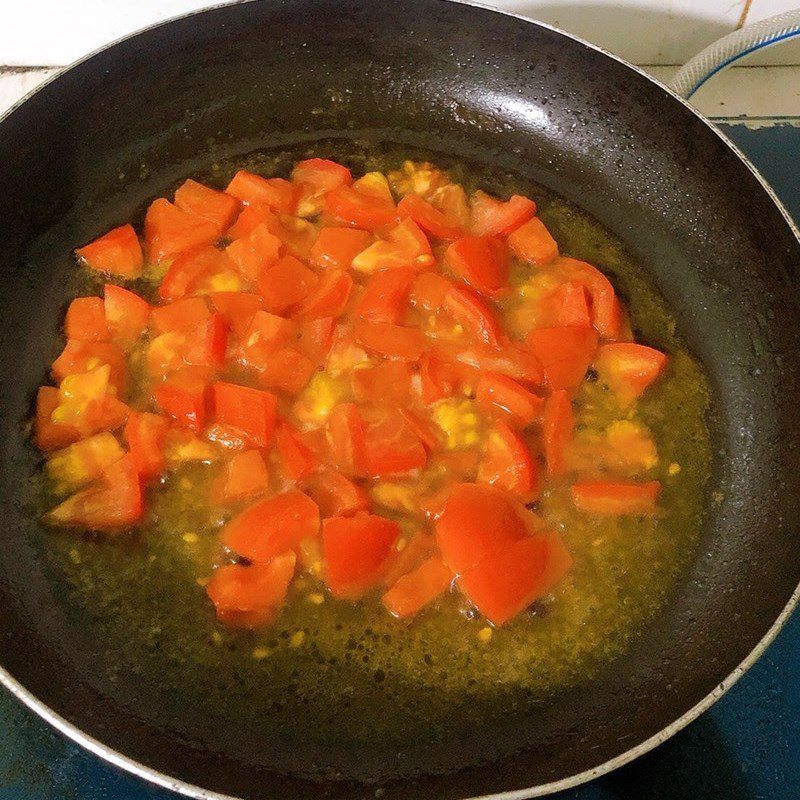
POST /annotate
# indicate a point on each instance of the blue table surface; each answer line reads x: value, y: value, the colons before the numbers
x: 746, y: 747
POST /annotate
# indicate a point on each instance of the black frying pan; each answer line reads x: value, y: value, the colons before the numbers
x: 89, y: 148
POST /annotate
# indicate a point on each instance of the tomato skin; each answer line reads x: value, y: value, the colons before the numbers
x: 266, y: 334
x: 391, y: 447
x: 386, y: 296
x: 337, y: 247
x: 345, y: 430
x: 565, y: 306
x: 272, y: 526
x: 316, y: 337
x: 565, y: 354
x: 471, y: 312
x: 422, y: 428
x: 533, y: 243
x: 183, y: 397
x: 253, y: 253
x: 476, y: 522
x: 629, y: 368
x: 252, y: 411
x: 203, y: 201
x: 387, y: 382
x: 438, y: 378
x: 249, y: 597
x: 508, y: 581
x: 609, y: 498
x: 418, y: 549
x: 412, y: 592
x: 336, y: 495
x: 207, y: 342
x: 286, y: 283
x: 330, y: 297
x: 127, y: 314
x: 493, y: 217
x: 499, y: 394
x: 244, y: 477
x: 276, y: 193
x: 237, y: 309
x: 315, y: 177
x: 168, y: 230
x: 145, y: 435
x: 507, y: 463
x: 428, y: 217
x: 77, y: 356
x: 117, y: 252
x: 112, y: 503
x: 288, y: 370
x: 360, y: 209
x: 482, y: 262
x: 392, y: 341
x: 510, y: 359
x: 428, y: 291
x: 356, y: 551
x: 606, y: 310
x: 557, y: 424
x: 178, y: 315
x: 297, y: 458
x: 86, y: 320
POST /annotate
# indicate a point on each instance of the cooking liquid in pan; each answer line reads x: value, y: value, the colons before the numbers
x: 338, y: 672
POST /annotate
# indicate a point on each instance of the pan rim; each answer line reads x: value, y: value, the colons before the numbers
x: 181, y: 787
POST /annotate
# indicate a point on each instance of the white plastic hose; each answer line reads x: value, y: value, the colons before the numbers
x: 694, y: 73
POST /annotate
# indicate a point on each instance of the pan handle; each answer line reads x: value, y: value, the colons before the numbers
x: 707, y: 63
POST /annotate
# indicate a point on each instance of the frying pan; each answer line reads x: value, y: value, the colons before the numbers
x: 90, y: 147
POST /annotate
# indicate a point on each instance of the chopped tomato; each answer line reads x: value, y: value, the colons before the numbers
x: 126, y: 314
x: 315, y: 177
x: 407, y: 246
x: 499, y: 393
x: 145, y: 435
x: 288, y: 370
x: 509, y: 580
x: 207, y: 342
x: 386, y: 382
x: 346, y: 437
x: 477, y: 521
x: 533, y: 243
x: 336, y: 495
x: 392, y: 341
x: 168, y: 230
x: 507, y: 463
x: 606, y: 311
x: 272, y: 526
x: 249, y: 597
x: 244, y: 476
x: 182, y: 397
x: 84, y: 461
x: 286, y: 283
x: 412, y: 592
x: 86, y: 320
x: 481, y: 262
x: 117, y: 252
x: 189, y: 268
x: 565, y: 306
x: 297, y: 459
x: 316, y: 337
x: 182, y: 446
x: 473, y: 314
x: 407, y: 558
x: 412, y: 241
x: 428, y: 291
x: 87, y: 401
x: 386, y: 296
x: 565, y: 354
x: 179, y: 315
x: 510, y: 359
x: 330, y: 297
x: 297, y: 235
x: 266, y: 334
x: 79, y: 357
x: 112, y: 503
x: 557, y: 425
x: 356, y: 551
x: 253, y: 253
x: 616, y: 498
x: 337, y: 247
x: 276, y: 193
x: 252, y: 411
x: 493, y: 217
x: 428, y: 217
x: 51, y: 435
x: 250, y: 218
x: 237, y: 309
x: 438, y: 378
x: 629, y: 368
x: 422, y: 428
x: 362, y: 205
x: 391, y: 447
x: 203, y: 201
x: 451, y: 200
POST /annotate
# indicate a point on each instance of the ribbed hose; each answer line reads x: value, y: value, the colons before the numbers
x: 694, y: 73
